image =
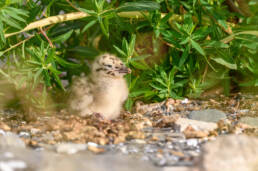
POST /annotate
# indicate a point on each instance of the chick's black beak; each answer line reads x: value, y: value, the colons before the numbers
x: 125, y: 70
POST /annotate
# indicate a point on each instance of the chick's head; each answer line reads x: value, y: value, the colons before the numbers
x: 110, y: 66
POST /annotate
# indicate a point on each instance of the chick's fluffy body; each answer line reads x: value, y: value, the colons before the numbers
x: 103, y: 91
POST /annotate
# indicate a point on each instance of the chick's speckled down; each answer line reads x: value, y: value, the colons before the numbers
x: 104, y: 91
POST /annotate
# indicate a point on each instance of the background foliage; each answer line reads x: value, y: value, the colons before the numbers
x: 175, y: 48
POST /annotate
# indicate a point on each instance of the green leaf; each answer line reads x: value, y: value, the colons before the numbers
x: 141, y: 57
x: 120, y: 51
x: 131, y: 45
x: 9, y: 21
x: 250, y: 83
x: 57, y: 79
x: 139, y: 65
x: 66, y: 64
x: 125, y: 46
x: 90, y: 24
x: 90, y: 12
x: 62, y: 38
x: 179, y: 83
x: 14, y: 15
x: 217, y: 44
x: 18, y: 11
x: 34, y: 62
x: 103, y: 26
x: 128, y: 104
x: 9, y: 2
x: 137, y: 93
x: 2, y: 38
x: 37, y: 75
x: 163, y: 74
x: 133, y: 82
x: 185, y: 41
x: 184, y: 56
x: 157, y: 87
x: 159, y: 80
x: 48, y: 8
x: 172, y: 75
x: 149, y: 93
x: 85, y: 52
x: 107, y: 12
x: 138, y: 6
x: 99, y: 4
x: 225, y: 63
x: 197, y: 47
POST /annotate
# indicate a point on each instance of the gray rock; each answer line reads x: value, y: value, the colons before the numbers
x: 197, y: 125
x: 208, y: 115
x: 251, y: 121
x: 30, y: 160
x: 230, y: 153
x: 9, y: 139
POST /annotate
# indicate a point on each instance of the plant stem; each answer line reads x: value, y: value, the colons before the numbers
x: 21, y: 42
x: 73, y: 16
x: 45, y: 35
x: 18, y: 44
x: 51, y: 20
x: 71, y: 4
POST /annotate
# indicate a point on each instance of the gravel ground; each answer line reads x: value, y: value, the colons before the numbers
x: 170, y: 133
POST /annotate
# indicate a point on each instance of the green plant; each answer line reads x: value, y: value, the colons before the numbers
x: 206, y: 43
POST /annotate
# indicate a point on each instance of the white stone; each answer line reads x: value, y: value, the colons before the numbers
x: 70, y: 148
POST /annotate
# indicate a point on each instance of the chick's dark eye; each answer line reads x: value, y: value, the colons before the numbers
x: 110, y: 66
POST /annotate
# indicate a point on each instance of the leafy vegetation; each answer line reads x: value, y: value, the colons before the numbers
x: 197, y: 44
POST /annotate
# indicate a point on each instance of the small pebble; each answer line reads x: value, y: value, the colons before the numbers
x: 192, y: 142
x: 34, y: 130
x: 185, y: 101
x: 96, y: 150
x: 92, y: 144
x: 24, y: 134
